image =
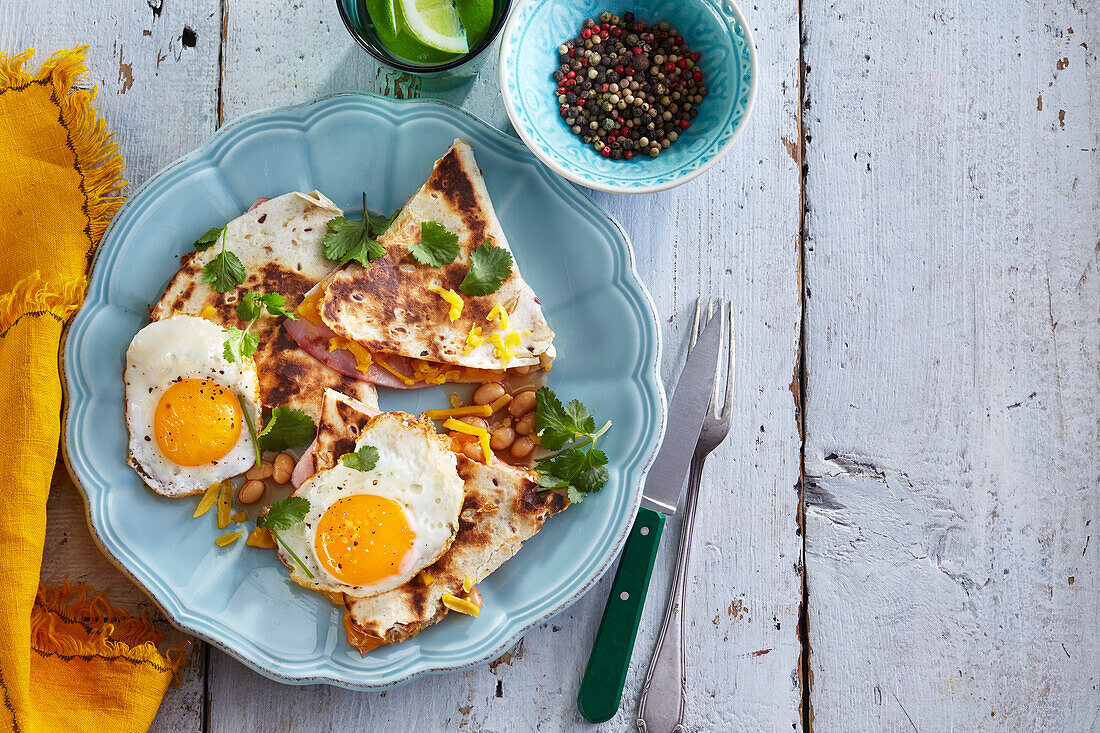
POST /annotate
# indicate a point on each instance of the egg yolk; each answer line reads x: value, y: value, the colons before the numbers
x: 362, y: 539
x: 197, y: 422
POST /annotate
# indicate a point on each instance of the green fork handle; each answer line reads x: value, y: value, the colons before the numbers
x: 602, y: 685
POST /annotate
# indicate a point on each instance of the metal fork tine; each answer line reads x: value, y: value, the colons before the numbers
x: 727, y: 405
x: 695, y: 326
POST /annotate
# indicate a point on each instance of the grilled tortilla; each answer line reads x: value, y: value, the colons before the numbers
x: 503, y: 507
x: 279, y: 242
x: 389, y: 310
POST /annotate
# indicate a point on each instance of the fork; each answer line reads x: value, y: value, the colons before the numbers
x: 664, y: 710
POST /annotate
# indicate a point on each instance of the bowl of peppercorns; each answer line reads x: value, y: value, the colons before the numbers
x: 630, y: 99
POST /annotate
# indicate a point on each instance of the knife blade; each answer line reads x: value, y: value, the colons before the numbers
x: 694, y: 390
x: 601, y: 687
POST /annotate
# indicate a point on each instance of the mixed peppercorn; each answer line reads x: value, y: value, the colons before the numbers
x: 627, y: 88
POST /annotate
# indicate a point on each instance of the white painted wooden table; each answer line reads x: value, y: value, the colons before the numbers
x: 897, y: 536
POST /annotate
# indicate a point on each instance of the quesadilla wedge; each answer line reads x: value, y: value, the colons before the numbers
x: 279, y: 242
x: 406, y: 324
x: 502, y: 508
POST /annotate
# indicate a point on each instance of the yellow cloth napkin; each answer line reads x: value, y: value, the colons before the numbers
x: 68, y: 659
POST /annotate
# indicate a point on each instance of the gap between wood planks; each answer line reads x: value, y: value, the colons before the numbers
x: 805, y: 672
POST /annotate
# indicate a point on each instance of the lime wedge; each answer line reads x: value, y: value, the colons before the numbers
x: 435, y: 23
x: 476, y: 17
x: 383, y: 15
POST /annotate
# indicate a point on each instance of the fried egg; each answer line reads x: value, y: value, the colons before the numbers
x: 367, y: 532
x: 187, y: 426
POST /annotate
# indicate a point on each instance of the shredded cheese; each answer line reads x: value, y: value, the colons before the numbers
x: 467, y: 583
x: 239, y: 517
x: 407, y: 380
x: 499, y: 313
x: 453, y: 399
x: 479, y: 410
x: 225, y: 504
x: 461, y: 605
x: 426, y: 578
x: 363, y: 358
x: 473, y: 340
x: 261, y: 537
x: 208, y: 499
x: 228, y: 538
x: 452, y: 298
x: 480, y: 433
x: 209, y: 313
x: 310, y: 307
x: 501, y: 402
x: 504, y: 346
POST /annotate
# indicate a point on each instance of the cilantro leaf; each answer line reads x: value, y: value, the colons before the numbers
x: 364, y: 253
x: 249, y: 307
x: 208, y: 240
x: 344, y: 235
x: 276, y: 305
x: 224, y: 272
x: 381, y: 223
x: 586, y: 471
x: 286, y: 427
x: 364, y: 459
x: 574, y: 496
x: 557, y: 425
x: 489, y: 266
x: 438, y: 245
x: 282, y: 515
x: 239, y: 344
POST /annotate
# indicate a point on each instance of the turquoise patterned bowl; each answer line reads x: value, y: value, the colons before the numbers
x: 529, y: 57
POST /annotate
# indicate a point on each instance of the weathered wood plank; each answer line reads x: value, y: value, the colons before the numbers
x: 951, y: 406
x: 733, y: 231
x: 157, y: 75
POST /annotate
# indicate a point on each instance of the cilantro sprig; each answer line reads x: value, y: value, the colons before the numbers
x: 286, y: 427
x: 241, y: 343
x: 281, y: 516
x: 364, y: 459
x: 489, y: 266
x: 225, y: 271
x: 348, y: 239
x: 438, y: 245
x: 569, y: 430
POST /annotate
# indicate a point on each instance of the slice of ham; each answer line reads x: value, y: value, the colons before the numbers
x: 304, y: 468
x: 314, y: 339
x: 257, y: 202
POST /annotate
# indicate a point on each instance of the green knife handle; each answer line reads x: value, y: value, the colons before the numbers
x: 602, y: 686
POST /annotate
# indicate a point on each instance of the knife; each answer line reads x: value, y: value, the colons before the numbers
x: 604, y: 677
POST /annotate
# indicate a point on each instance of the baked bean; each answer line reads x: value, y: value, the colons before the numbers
x: 251, y: 492
x: 475, y: 421
x: 523, y: 447
x: 283, y: 467
x: 522, y: 403
x: 488, y: 393
x: 472, y: 449
x: 259, y: 473
x: 474, y: 596
x: 526, y: 426
x: 521, y: 371
x: 501, y: 437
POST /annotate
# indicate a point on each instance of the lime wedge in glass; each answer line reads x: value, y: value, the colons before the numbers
x: 436, y: 24
x: 384, y: 16
x: 476, y: 17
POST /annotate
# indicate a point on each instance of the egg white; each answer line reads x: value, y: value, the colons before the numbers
x: 416, y: 469
x: 183, y: 347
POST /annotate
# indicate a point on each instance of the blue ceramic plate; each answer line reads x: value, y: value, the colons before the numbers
x: 529, y: 57
x: 239, y: 598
